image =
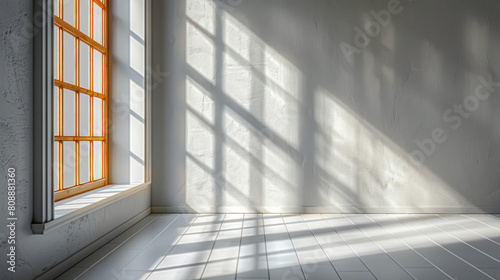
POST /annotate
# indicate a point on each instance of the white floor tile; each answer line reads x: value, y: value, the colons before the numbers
x: 377, y: 261
x: 111, y: 266
x: 134, y: 229
x: 447, y: 262
x: 95, y: 257
x: 339, y: 253
x: 356, y: 275
x: 426, y: 273
x: 223, y: 260
x: 281, y: 255
x: 154, y: 253
x: 399, y: 251
x: 253, y: 256
x: 145, y: 236
x: 314, y: 246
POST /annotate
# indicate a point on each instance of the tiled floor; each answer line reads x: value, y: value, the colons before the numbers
x: 273, y: 246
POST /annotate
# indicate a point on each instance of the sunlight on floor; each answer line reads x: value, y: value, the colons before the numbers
x: 314, y: 246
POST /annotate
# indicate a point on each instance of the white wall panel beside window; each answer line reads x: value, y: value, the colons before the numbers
x: 128, y: 93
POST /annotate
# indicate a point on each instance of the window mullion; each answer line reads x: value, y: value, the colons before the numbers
x: 91, y: 87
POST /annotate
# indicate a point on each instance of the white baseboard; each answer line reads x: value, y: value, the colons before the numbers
x: 80, y: 255
x: 327, y: 209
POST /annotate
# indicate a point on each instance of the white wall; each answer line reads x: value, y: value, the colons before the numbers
x: 127, y: 75
x: 265, y: 110
x: 36, y: 254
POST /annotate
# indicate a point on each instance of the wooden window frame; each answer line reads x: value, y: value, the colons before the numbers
x: 43, y: 207
x: 62, y: 26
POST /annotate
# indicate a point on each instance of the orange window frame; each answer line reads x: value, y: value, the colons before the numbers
x: 63, y: 27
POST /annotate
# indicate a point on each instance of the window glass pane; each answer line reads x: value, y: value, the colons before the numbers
x: 84, y: 65
x: 80, y: 159
x: 97, y: 160
x: 68, y: 164
x: 56, y: 166
x: 97, y: 20
x: 69, y: 11
x: 97, y: 61
x: 84, y: 114
x: 97, y: 121
x: 68, y: 58
x: 56, y: 7
x: 84, y: 16
x: 68, y: 113
x: 84, y: 162
x: 56, y: 53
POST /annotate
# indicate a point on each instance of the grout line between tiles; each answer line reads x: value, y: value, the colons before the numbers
x: 473, y: 266
x: 485, y: 237
x: 404, y: 242
x: 294, y: 248
x: 239, y: 249
x: 374, y: 242
x: 180, y: 237
x: 213, y: 246
x: 495, y: 228
x: 356, y: 253
x: 459, y: 239
x: 265, y: 246
x: 116, y: 248
x: 319, y: 243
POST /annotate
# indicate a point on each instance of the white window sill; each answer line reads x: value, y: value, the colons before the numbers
x: 72, y: 208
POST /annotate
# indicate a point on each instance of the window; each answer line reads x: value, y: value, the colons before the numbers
x: 80, y: 108
x: 80, y: 46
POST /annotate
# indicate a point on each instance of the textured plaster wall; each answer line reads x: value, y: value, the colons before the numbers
x: 37, y: 253
x: 285, y: 105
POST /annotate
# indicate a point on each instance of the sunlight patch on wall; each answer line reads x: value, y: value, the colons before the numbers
x: 259, y: 109
x: 199, y: 101
x: 201, y: 190
x: 200, y: 52
x: 200, y: 183
x: 136, y: 132
x: 237, y: 82
x: 203, y: 13
x: 137, y: 56
x: 137, y: 148
x: 237, y: 37
x: 200, y: 178
x: 253, y: 166
x: 357, y: 161
x: 136, y: 99
x: 137, y: 18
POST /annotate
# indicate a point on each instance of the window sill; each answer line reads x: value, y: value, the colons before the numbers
x: 72, y: 208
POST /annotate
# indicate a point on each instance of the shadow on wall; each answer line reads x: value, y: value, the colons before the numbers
x: 128, y: 78
x: 292, y: 107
